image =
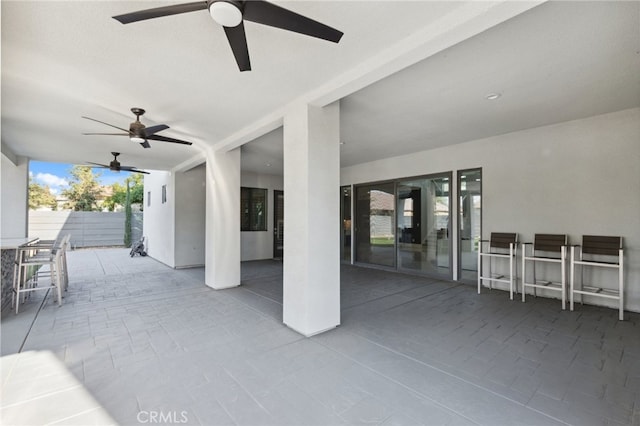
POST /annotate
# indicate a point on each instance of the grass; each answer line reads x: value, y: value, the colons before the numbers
x: 382, y: 241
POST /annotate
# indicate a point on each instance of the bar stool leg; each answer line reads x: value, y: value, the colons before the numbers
x: 621, y: 286
x: 563, y: 267
x: 479, y: 267
x: 511, y: 273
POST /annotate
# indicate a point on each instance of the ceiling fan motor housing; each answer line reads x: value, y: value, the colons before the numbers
x: 137, y: 130
x: 115, y: 164
x: 227, y: 13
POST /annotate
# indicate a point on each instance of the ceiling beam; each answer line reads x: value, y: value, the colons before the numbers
x: 8, y: 152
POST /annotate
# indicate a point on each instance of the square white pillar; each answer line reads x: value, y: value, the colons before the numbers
x: 222, y: 241
x: 311, y: 302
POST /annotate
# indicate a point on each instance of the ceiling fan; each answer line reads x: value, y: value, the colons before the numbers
x: 138, y: 132
x: 115, y: 166
x: 231, y: 14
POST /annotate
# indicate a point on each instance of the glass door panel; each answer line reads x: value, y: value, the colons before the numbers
x: 278, y: 224
x: 469, y: 222
x: 375, y: 224
x: 423, y: 225
x: 345, y: 229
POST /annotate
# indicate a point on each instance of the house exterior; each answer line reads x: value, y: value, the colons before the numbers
x: 563, y: 161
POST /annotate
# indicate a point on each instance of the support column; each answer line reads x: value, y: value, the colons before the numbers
x: 311, y: 302
x: 222, y: 245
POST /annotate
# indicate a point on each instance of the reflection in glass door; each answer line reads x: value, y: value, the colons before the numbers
x: 375, y: 224
x: 345, y: 227
x: 423, y: 225
x: 469, y: 222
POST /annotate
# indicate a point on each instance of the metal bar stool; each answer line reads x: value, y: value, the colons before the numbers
x: 547, y: 249
x: 599, y: 252
x: 36, y: 256
x: 501, y: 245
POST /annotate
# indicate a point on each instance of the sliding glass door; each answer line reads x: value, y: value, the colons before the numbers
x: 469, y: 222
x: 345, y: 226
x: 405, y: 225
x: 423, y: 215
x: 375, y: 224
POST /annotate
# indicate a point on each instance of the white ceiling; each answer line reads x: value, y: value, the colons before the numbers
x: 557, y: 62
x: 63, y: 60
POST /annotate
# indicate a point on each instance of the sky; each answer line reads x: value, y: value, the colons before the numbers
x: 56, y: 175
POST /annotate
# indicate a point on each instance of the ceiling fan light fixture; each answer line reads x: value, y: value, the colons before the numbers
x: 136, y: 139
x: 225, y: 13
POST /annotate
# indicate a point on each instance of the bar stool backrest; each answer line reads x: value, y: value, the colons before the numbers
x: 503, y: 239
x: 549, y: 242
x: 594, y: 244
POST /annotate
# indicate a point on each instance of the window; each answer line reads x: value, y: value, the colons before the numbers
x: 253, y: 209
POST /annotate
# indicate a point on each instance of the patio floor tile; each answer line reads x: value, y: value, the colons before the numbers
x: 136, y: 339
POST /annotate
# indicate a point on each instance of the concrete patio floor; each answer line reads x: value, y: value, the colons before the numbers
x: 136, y: 342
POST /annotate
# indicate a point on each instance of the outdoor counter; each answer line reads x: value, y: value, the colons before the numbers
x: 8, y: 247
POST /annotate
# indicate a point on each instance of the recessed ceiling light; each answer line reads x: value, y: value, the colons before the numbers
x: 493, y: 96
x: 268, y: 164
x: 342, y: 143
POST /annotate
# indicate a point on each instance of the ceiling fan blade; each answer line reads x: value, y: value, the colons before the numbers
x: 110, y: 125
x: 158, y: 12
x: 132, y: 169
x: 155, y: 129
x: 98, y: 164
x: 238, y: 42
x: 263, y: 12
x: 145, y: 144
x: 108, y: 134
x: 166, y: 139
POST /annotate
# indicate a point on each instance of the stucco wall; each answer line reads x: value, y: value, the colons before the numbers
x: 190, y: 217
x: 578, y: 177
x: 14, y: 180
x: 159, y: 218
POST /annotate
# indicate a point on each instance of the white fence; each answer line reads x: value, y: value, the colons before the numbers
x: 87, y: 229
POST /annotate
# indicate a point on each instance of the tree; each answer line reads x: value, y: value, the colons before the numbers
x: 127, y: 218
x: 83, y: 189
x: 137, y: 189
x: 40, y: 196
x: 120, y: 192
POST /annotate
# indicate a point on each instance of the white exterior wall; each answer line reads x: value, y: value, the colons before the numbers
x: 190, y: 217
x: 578, y: 177
x: 256, y: 245
x: 159, y: 218
x: 14, y: 182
